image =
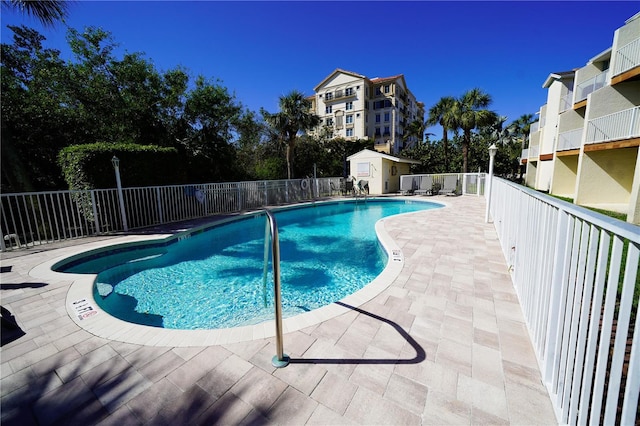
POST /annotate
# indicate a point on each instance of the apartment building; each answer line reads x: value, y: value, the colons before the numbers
x: 585, y: 144
x: 353, y: 106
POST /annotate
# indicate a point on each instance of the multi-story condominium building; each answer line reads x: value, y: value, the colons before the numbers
x: 585, y: 144
x: 353, y: 106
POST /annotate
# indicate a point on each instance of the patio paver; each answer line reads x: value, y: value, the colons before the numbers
x: 445, y: 343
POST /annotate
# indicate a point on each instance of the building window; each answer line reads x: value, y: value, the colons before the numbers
x: 329, y: 121
x: 348, y: 91
x: 349, y: 132
x: 386, y: 116
x: 349, y: 106
x: 366, y: 104
x: 387, y: 88
x: 349, y: 119
x: 387, y: 132
x: 328, y: 110
x: 378, y: 92
x: 377, y: 131
x: 328, y: 96
x: 377, y: 118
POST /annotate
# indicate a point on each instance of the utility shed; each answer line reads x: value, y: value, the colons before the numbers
x: 382, y: 171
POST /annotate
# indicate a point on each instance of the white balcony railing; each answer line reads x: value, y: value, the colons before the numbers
x: 525, y: 154
x: 566, y: 102
x: 534, y: 151
x: 534, y: 127
x: 569, y: 140
x: 589, y: 86
x: 619, y: 125
x: 627, y: 57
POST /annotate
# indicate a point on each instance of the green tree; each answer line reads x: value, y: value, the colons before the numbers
x: 34, y: 121
x: 46, y: 11
x: 210, y: 113
x: 416, y: 130
x: 295, y: 116
x: 470, y: 113
x: 443, y: 114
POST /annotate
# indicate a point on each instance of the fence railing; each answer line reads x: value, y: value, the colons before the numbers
x: 566, y: 101
x: 443, y: 183
x: 619, y: 125
x: 569, y: 140
x: 34, y: 218
x: 591, y: 85
x: 576, y: 276
x: 627, y: 57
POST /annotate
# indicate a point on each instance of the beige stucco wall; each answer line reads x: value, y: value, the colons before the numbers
x: 633, y: 215
x: 544, y: 174
x: 606, y: 177
x: 565, y: 172
x: 613, y: 99
x: 530, y: 178
x: 383, y: 174
x: 570, y: 120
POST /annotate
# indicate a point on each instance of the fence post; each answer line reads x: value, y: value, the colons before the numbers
x: 159, y: 203
x: 96, y: 219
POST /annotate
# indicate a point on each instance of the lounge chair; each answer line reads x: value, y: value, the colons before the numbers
x: 426, y: 185
x: 450, y: 185
x: 407, y: 185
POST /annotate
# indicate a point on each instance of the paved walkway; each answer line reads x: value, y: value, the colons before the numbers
x: 445, y: 343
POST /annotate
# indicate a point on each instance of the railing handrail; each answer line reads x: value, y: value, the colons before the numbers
x: 574, y: 272
x: 624, y: 229
x: 632, y: 60
x: 281, y: 359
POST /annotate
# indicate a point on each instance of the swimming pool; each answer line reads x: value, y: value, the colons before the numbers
x: 213, y: 277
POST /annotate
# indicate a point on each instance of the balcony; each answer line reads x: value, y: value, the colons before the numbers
x: 339, y: 95
x: 627, y: 57
x: 619, y: 125
x: 534, y: 127
x: 524, y: 156
x: 569, y: 140
x: 591, y: 85
x: 566, y: 102
x: 534, y: 151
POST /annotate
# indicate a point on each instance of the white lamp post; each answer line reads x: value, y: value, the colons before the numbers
x: 492, y: 153
x: 116, y: 166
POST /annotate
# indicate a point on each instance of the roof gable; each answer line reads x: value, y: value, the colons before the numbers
x: 334, y: 74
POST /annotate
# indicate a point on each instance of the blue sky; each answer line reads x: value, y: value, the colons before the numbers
x: 262, y: 50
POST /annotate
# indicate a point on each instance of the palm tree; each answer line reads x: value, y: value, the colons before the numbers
x: 415, y: 128
x: 470, y: 114
x: 47, y: 11
x: 443, y: 114
x: 522, y: 127
x: 295, y: 116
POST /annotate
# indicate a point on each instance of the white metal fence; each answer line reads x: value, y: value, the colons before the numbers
x: 35, y: 218
x: 591, y: 85
x: 627, y: 57
x: 576, y: 276
x: 618, y: 125
x: 444, y: 183
x: 569, y: 140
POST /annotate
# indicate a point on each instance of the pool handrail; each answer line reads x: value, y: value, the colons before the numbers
x: 281, y: 359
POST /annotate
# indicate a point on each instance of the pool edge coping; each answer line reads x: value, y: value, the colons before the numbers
x: 85, y: 312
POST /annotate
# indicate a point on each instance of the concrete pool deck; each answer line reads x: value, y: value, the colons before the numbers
x: 444, y: 343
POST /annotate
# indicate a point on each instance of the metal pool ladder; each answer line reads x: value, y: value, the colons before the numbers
x: 281, y: 359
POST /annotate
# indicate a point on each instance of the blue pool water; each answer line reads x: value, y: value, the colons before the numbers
x: 214, y: 279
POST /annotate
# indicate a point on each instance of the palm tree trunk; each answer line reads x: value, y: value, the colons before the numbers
x: 466, y: 141
x: 445, y: 143
x: 289, y: 151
